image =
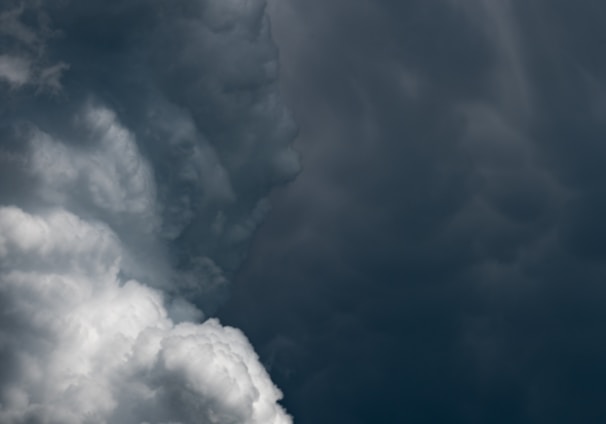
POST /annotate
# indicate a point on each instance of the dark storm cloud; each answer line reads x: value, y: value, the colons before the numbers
x: 441, y: 257
x: 139, y: 142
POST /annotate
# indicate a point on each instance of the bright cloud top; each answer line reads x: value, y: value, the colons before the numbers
x: 91, y: 348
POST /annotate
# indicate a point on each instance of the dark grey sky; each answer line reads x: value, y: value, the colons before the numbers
x: 442, y: 256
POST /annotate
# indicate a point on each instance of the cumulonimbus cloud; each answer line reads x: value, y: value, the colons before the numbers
x: 138, y: 142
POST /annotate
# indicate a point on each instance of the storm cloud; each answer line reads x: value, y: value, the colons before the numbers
x: 441, y: 258
x: 139, y: 142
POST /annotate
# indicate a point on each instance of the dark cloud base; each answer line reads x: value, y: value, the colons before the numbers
x: 442, y: 256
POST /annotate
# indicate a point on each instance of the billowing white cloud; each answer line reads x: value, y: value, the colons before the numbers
x: 140, y: 163
x: 92, y: 348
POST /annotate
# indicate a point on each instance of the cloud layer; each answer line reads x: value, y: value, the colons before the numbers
x: 441, y: 259
x: 138, y: 143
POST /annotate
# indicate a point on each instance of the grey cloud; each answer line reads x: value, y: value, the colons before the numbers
x: 14, y: 70
x: 203, y: 110
x: 27, y: 62
x: 457, y: 252
x: 139, y: 142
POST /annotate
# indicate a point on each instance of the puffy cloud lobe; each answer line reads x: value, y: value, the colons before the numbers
x: 112, y: 177
x: 96, y: 349
x: 141, y: 139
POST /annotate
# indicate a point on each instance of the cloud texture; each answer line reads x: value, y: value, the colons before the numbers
x: 442, y: 257
x: 138, y: 142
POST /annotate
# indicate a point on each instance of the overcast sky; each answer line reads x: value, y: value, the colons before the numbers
x: 434, y: 253
x: 442, y: 256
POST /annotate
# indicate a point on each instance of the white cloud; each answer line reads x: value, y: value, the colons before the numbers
x: 98, y: 349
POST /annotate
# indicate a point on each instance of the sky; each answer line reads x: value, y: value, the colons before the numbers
x: 441, y: 258
x: 336, y: 211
